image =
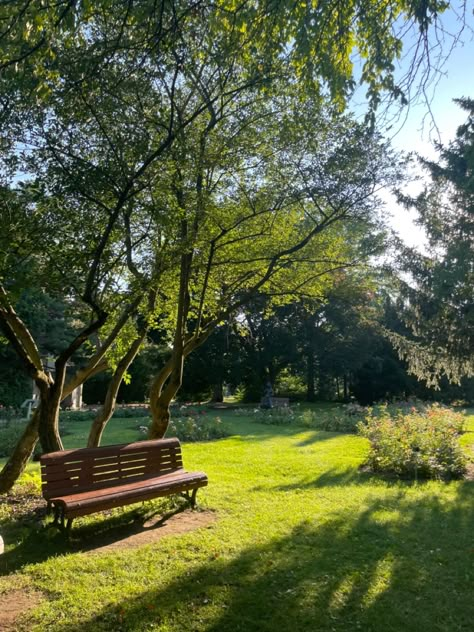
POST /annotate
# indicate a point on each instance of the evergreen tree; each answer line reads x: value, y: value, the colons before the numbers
x: 439, y: 293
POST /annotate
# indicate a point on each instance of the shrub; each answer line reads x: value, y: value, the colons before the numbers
x: 76, y: 415
x: 9, y: 414
x: 131, y: 411
x: 354, y: 409
x: 9, y: 435
x: 332, y: 421
x: 337, y: 420
x: 404, y: 406
x: 192, y: 429
x: 245, y: 412
x: 273, y: 416
x: 415, y: 444
x: 89, y: 414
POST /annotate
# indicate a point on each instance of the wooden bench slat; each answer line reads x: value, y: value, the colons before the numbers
x: 51, y: 486
x: 138, y: 446
x: 161, y: 481
x: 60, y: 473
x: 137, y: 496
x: 53, y: 470
x: 120, y: 459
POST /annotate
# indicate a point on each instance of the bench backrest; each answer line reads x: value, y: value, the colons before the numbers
x: 85, y: 469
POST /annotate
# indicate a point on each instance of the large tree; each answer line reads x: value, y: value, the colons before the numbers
x: 35, y: 254
x: 439, y: 291
x: 277, y: 217
x: 95, y: 97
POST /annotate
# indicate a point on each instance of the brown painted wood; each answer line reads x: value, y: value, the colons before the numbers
x: 87, y: 480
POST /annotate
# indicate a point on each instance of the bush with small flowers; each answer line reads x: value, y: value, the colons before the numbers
x: 416, y: 443
x: 193, y: 425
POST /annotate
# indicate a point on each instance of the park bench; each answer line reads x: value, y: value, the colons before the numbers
x: 84, y: 481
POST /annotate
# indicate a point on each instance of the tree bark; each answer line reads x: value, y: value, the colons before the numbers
x: 218, y: 392
x: 162, y: 391
x: 310, y: 391
x: 160, y: 407
x: 160, y: 416
x: 346, y: 387
x: 310, y: 360
x: 50, y: 438
x: 107, y: 410
x: 22, y: 453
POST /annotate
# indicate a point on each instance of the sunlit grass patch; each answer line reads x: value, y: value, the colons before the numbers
x: 304, y: 540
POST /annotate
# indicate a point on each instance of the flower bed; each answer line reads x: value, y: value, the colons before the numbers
x: 334, y: 420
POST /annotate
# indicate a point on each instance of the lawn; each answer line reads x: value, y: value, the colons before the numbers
x: 303, y: 541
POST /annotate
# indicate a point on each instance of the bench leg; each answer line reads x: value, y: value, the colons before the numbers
x: 65, y: 523
x: 60, y: 520
x: 191, y: 497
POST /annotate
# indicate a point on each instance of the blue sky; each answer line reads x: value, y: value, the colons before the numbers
x: 420, y: 128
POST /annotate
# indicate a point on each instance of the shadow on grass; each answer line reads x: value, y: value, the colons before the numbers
x: 319, y: 435
x: 36, y: 542
x: 334, y: 477
x: 337, y: 477
x: 400, y: 564
x: 251, y: 431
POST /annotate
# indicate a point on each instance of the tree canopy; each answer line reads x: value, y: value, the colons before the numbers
x: 162, y: 163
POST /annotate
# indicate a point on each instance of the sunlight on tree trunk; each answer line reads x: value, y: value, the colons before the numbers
x: 160, y: 406
x: 107, y: 410
x: 16, y: 464
x: 50, y: 438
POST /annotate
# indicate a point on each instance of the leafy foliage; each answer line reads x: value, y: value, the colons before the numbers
x: 197, y: 428
x: 439, y: 301
x: 415, y: 443
x: 339, y: 419
x: 119, y: 413
x: 133, y: 128
x: 10, y: 433
x: 336, y: 420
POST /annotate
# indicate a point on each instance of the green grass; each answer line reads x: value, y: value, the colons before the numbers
x: 303, y: 541
x: 117, y: 431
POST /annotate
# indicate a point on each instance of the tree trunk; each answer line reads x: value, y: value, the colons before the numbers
x: 218, y: 392
x: 16, y: 463
x: 346, y: 388
x: 310, y: 392
x: 160, y: 407
x: 161, y: 395
x: 160, y: 419
x: 104, y: 413
x: 49, y: 436
x: 107, y: 410
x: 309, y: 329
